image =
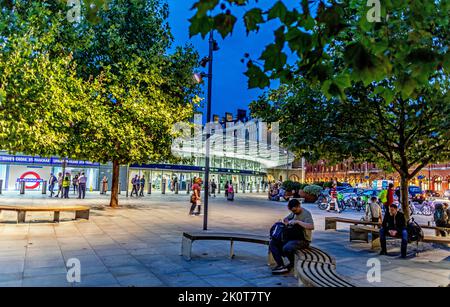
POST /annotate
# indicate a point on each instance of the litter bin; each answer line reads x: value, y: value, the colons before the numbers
x: 22, y: 187
x: 44, y: 187
x: 163, y: 186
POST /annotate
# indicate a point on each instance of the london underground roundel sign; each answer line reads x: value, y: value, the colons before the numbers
x: 32, y: 180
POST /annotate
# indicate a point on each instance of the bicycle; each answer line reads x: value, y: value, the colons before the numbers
x: 425, y: 208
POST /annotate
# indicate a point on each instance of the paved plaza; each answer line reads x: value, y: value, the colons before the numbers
x: 138, y: 244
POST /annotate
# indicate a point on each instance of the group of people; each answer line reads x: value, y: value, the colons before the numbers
x: 229, y: 191
x: 64, y: 182
x: 138, y: 186
x: 277, y: 192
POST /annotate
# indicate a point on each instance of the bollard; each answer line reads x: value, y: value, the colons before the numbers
x: 1, y: 185
x: 163, y: 186
x: 44, y: 187
x: 176, y: 187
x: 22, y: 187
x: 149, y: 187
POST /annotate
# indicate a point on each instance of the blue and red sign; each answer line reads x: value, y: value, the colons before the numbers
x: 31, y: 179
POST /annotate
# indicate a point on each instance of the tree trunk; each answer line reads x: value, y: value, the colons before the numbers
x: 114, y: 202
x: 404, y: 196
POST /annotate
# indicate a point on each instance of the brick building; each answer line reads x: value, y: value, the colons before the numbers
x: 434, y: 176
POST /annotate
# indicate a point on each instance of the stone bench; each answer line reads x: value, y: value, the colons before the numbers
x: 189, y: 238
x: 362, y: 233
x: 315, y: 268
x: 81, y: 212
x: 331, y: 222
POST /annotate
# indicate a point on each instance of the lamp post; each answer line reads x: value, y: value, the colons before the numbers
x: 199, y: 78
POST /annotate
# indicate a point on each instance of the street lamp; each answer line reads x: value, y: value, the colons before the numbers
x: 198, y: 77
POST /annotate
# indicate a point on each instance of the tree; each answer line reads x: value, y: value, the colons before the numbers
x: 35, y: 72
x: 410, y: 37
x: 139, y: 86
x: 106, y: 88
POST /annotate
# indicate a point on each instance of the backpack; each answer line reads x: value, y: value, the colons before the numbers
x: 293, y: 232
x: 276, y: 231
x: 415, y: 232
x: 439, y: 214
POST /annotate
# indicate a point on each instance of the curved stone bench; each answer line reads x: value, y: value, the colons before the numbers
x: 316, y: 268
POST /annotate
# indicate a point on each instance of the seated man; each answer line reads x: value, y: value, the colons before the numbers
x: 281, y: 193
x: 394, y: 225
x: 300, y: 221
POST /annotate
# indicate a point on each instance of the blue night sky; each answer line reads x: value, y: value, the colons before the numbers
x: 229, y: 82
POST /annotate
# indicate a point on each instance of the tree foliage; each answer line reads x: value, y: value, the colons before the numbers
x: 107, y: 88
x: 409, y: 43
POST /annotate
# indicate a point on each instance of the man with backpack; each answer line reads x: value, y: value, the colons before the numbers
x: 373, y: 211
x: 394, y: 225
x: 289, y: 235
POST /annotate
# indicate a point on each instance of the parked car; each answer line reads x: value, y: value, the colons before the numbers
x: 413, y: 190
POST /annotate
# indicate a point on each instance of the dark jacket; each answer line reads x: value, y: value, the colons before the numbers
x: 394, y: 223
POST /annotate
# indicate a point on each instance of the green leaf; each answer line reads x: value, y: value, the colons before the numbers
x: 278, y: 10
x: 203, y: 6
x: 298, y: 41
x: 273, y: 58
x: 256, y: 77
x: 252, y: 19
x: 343, y: 81
x: 200, y: 25
x: 224, y: 24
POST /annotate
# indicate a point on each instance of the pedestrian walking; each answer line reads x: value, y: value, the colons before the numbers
x: 135, y: 184
x: 82, y: 186
x: 66, y: 186
x: 51, y: 184
x: 104, y: 185
x: 226, y: 188
x: 213, y: 188
x: 142, y: 185
x: 60, y: 182
x: 333, y: 204
x: 230, y: 194
x: 196, y: 197
x: 75, y: 184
